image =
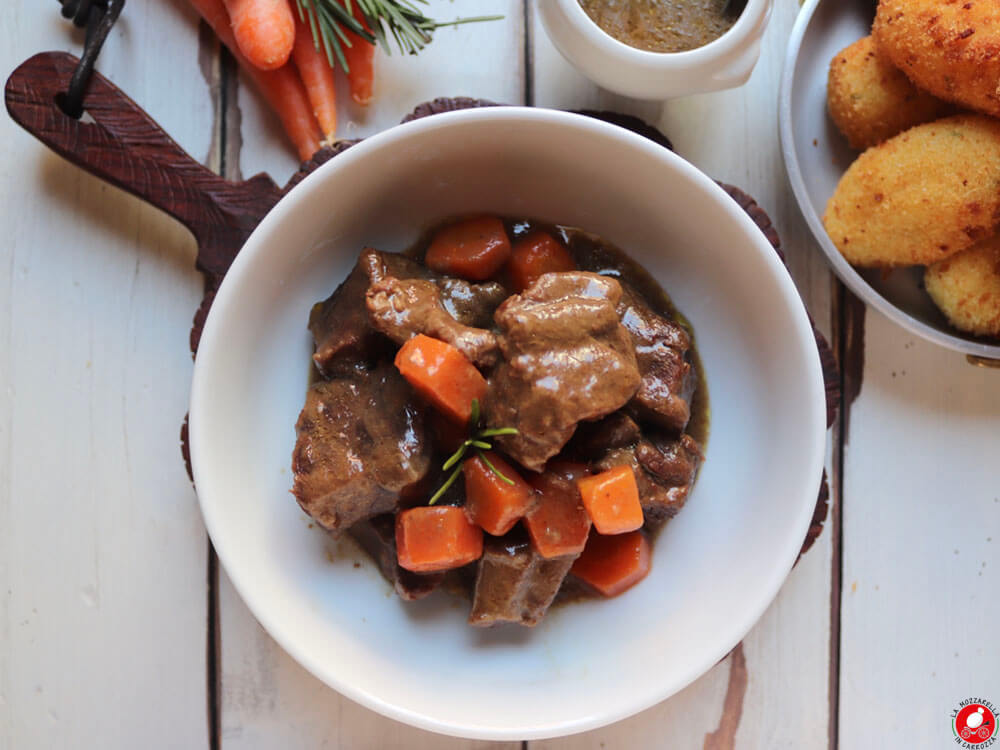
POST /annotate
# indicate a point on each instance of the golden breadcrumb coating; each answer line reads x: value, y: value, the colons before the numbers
x: 921, y: 196
x: 967, y: 288
x: 950, y: 48
x: 871, y: 100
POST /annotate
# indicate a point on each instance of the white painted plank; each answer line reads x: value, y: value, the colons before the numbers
x: 481, y: 60
x: 732, y: 136
x: 267, y: 700
x: 102, y: 551
x: 921, y: 542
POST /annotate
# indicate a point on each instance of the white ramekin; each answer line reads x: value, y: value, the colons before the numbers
x: 721, y: 64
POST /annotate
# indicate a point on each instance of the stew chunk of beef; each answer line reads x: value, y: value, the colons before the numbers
x: 515, y: 583
x: 668, y: 380
x: 566, y: 358
x: 402, y: 308
x: 361, y: 446
x: 664, y: 471
x: 340, y: 324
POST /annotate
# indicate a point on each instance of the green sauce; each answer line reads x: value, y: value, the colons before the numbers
x: 663, y: 25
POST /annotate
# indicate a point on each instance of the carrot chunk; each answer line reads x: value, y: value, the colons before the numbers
x: 441, y: 374
x: 473, y: 249
x: 612, y: 500
x: 534, y: 254
x: 491, y: 502
x: 558, y: 524
x: 430, y: 539
x: 612, y: 564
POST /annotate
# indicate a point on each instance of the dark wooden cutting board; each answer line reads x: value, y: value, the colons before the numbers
x: 118, y: 142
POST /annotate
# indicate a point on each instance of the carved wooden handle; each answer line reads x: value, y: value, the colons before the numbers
x: 120, y: 143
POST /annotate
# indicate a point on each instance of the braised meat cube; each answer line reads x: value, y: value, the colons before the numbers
x: 471, y: 304
x: 668, y: 380
x: 361, y: 446
x: 339, y: 325
x: 566, y: 358
x: 403, y: 308
x: 665, y: 471
x: 514, y: 583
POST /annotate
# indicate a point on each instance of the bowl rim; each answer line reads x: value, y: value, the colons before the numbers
x: 844, y: 270
x: 813, y: 420
x: 735, y: 37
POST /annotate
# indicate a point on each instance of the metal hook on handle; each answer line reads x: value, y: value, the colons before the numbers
x: 98, y: 16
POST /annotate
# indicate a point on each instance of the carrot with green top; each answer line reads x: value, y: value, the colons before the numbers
x: 535, y: 254
x: 264, y: 31
x: 281, y: 88
x: 613, y: 564
x: 496, y: 497
x: 360, y: 57
x: 441, y: 374
x: 433, y: 539
x: 473, y: 249
x: 612, y: 500
x: 317, y: 75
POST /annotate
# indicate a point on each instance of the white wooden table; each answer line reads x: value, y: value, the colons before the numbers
x: 118, y: 630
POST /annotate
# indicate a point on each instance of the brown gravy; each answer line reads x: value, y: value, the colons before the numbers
x: 662, y: 25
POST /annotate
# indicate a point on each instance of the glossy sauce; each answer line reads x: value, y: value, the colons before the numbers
x: 662, y: 25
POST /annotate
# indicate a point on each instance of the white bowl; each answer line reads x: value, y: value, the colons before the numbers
x: 715, y: 568
x: 723, y: 63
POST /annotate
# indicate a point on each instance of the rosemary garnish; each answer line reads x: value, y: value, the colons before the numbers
x: 329, y: 19
x: 477, y: 441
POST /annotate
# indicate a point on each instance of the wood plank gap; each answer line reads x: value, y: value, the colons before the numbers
x: 529, y: 55
x: 843, y: 340
x: 212, y: 648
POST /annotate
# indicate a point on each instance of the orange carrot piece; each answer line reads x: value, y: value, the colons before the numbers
x: 490, y: 502
x: 441, y: 374
x: 558, y: 524
x: 534, y: 254
x: 612, y: 500
x: 264, y: 30
x: 612, y: 564
x: 429, y: 539
x: 317, y: 75
x: 473, y: 249
x: 360, y: 56
x: 281, y: 88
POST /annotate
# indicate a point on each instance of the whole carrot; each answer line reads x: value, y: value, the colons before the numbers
x: 264, y: 30
x: 317, y: 75
x: 281, y: 88
x: 360, y: 56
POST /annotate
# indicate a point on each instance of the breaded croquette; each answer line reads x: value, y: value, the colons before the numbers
x: 921, y: 196
x: 950, y: 48
x: 967, y: 288
x: 871, y: 100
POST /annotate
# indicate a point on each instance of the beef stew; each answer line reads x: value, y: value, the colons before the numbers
x: 452, y: 423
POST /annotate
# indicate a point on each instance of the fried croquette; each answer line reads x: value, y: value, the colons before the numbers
x: 950, y: 48
x: 921, y: 196
x: 871, y: 100
x: 967, y: 288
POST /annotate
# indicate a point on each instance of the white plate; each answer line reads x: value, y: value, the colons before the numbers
x: 715, y: 568
x: 816, y: 155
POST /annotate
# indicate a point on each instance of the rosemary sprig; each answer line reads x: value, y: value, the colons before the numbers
x: 477, y: 441
x: 412, y: 31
